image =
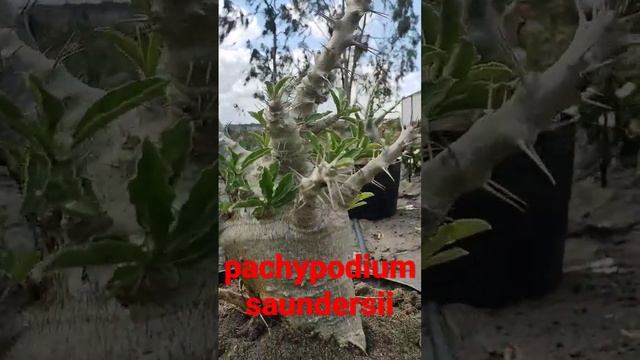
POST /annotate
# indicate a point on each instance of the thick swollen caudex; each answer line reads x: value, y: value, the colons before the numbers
x: 468, y: 162
x: 262, y: 240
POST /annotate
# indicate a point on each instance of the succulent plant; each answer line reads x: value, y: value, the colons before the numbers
x: 453, y: 79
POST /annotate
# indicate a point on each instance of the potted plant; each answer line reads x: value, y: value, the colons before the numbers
x: 526, y: 198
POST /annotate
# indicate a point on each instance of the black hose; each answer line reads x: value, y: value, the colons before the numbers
x: 355, y: 223
x: 441, y: 349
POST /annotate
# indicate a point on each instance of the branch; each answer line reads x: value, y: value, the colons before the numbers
x: 373, y: 122
x: 313, y: 86
x: 288, y: 145
x: 515, y: 126
x: 231, y: 144
x: 233, y: 298
x: 323, y: 124
x: 366, y: 174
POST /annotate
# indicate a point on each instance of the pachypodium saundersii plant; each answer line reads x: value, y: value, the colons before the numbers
x: 468, y: 162
x: 49, y: 159
x: 109, y: 160
x: 175, y: 241
x: 293, y: 199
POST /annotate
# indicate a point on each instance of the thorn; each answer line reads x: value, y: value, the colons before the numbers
x: 508, y: 193
x: 502, y: 197
x: 594, y: 67
x: 582, y: 17
x: 630, y: 18
x: 364, y: 47
x: 531, y: 152
x: 327, y: 18
x: 593, y: 91
x: 376, y: 183
x: 265, y: 324
x: 340, y: 193
x: 595, y: 103
x: 378, y: 13
x: 388, y: 173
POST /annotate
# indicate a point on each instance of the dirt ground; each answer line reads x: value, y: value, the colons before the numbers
x: 395, y: 337
x: 398, y: 237
x: 595, y: 312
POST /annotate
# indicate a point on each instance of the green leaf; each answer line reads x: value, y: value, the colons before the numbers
x: 285, y: 191
x: 359, y: 199
x: 127, y: 46
x: 249, y: 203
x: 126, y: 279
x: 266, y: 183
x: 434, y: 93
x: 152, y: 57
x: 461, y: 60
x: 12, y: 117
x: 444, y: 257
x: 315, y: 117
x: 18, y: 264
x: 253, y: 157
x: 336, y: 100
x: 201, y: 248
x: 432, y: 55
x: 64, y: 184
x: 448, y: 234
x: 175, y: 147
x: 430, y: 24
x: 50, y: 107
x: 152, y: 195
x: 116, y: 103
x: 344, y: 162
x: 104, y: 252
x: 37, y: 175
x: 315, y: 143
x: 450, y: 24
x: 259, y: 116
x: 198, y: 213
x: 280, y: 86
x: 493, y: 71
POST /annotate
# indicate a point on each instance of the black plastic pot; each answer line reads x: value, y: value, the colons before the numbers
x: 521, y: 257
x: 385, y: 200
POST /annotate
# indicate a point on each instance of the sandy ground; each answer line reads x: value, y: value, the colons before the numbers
x: 594, y: 314
x: 398, y: 237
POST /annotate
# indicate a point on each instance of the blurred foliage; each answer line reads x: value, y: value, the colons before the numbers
x: 453, y: 79
x: 143, y: 50
x: 48, y: 161
x: 177, y: 236
x: 440, y: 248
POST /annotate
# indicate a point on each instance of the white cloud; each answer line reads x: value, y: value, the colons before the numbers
x: 410, y: 84
x: 236, y: 97
x: 234, y: 93
x: 239, y: 36
x: 318, y: 28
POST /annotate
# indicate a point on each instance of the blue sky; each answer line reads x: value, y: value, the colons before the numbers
x: 234, y: 63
